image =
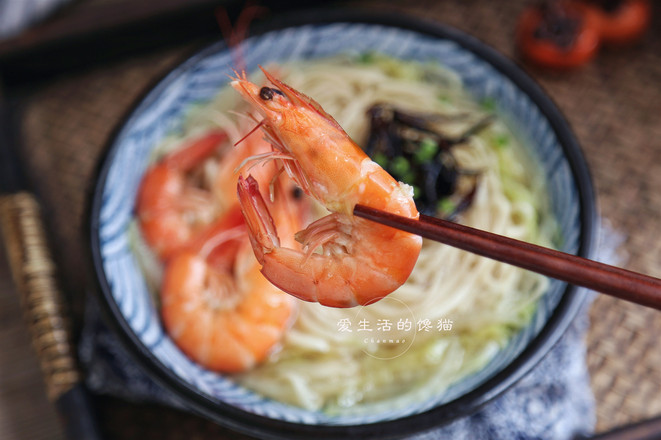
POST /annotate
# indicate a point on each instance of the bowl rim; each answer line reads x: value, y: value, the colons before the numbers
x: 252, y: 424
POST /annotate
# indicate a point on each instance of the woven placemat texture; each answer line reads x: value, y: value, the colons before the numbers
x: 66, y: 127
x: 612, y: 104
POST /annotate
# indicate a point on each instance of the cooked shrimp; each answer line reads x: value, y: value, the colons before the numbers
x: 175, y: 204
x: 360, y: 262
x: 216, y: 305
x: 171, y: 208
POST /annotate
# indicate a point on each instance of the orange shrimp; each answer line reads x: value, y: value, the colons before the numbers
x: 174, y: 204
x: 216, y: 306
x: 360, y: 262
x: 171, y: 208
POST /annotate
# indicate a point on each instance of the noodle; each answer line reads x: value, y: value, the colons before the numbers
x: 457, y: 309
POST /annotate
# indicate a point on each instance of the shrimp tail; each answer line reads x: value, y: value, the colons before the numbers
x: 263, y: 234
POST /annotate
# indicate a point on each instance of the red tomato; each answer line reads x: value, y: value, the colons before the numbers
x: 562, y: 37
x: 625, y: 23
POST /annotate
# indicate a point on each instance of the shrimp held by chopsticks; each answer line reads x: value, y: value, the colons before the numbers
x: 344, y: 260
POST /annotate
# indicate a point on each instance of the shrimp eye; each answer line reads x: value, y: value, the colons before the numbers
x: 297, y: 192
x: 266, y: 93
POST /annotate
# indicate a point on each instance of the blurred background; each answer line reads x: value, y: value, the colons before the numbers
x: 74, y: 67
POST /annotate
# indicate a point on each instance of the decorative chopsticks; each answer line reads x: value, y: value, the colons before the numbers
x: 611, y: 280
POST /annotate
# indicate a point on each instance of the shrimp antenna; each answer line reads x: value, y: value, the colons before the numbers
x: 242, y: 115
x: 249, y: 133
x: 235, y: 35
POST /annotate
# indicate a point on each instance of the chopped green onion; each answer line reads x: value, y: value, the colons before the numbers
x: 489, y: 104
x: 381, y: 159
x: 426, y: 151
x: 408, y: 177
x: 366, y: 58
x: 400, y: 166
x: 446, y: 206
x: 501, y: 140
x: 445, y: 99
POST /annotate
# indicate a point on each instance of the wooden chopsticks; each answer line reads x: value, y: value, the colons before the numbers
x: 611, y: 280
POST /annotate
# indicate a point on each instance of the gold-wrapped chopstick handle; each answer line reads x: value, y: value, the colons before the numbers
x: 34, y: 274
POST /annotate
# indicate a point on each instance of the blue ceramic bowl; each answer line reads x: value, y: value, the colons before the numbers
x: 485, y: 73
